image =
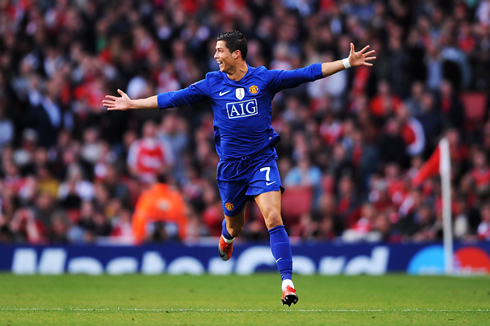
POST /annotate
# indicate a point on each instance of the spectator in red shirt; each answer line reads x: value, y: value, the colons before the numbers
x: 412, y: 131
x: 25, y: 223
x: 122, y: 231
x: 385, y: 102
x: 149, y: 156
x: 360, y: 230
x: 480, y: 172
x: 348, y: 205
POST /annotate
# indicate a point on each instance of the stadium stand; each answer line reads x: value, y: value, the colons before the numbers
x: 72, y: 172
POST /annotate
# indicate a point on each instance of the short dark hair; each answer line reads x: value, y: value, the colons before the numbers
x: 234, y: 41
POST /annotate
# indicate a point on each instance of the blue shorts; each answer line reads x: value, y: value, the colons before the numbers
x: 241, y: 179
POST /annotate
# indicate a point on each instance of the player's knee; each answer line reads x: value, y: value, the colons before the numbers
x: 273, y: 219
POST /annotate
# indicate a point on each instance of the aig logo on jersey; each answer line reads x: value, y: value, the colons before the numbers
x: 242, y: 109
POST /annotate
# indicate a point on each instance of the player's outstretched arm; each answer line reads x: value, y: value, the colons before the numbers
x: 355, y: 59
x: 125, y: 103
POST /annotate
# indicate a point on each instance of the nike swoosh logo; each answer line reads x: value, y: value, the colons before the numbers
x: 223, y: 93
x: 278, y: 259
x: 269, y: 183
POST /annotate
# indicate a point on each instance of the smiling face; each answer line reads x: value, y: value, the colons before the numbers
x: 225, y: 58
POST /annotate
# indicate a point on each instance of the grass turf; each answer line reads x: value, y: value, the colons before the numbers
x: 242, y: 300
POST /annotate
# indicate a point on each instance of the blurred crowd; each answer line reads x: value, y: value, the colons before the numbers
x: 72, y: 172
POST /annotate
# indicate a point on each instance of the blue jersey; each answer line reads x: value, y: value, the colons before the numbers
x: 242, y: 109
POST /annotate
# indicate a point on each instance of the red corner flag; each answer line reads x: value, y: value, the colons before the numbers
x: 434, y: 164
x: 440, y: 163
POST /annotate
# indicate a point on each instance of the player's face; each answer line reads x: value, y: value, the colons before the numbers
x: 224, y: 57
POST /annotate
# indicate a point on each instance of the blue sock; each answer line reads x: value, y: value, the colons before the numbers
x: 281, y: 250
x: 224, y: 231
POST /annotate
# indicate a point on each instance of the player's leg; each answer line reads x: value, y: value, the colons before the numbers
x: 265, y: 186
x: 233, y: 225
x: 232, y: 187
x: 270, y: 206
x: 232, y: 228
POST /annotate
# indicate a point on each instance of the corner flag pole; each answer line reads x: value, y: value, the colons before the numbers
x: 445, y: 170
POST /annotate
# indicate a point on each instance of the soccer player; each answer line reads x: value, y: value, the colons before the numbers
x: 241, y: 96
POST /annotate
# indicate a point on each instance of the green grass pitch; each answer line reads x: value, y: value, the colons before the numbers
x: 242, y: 300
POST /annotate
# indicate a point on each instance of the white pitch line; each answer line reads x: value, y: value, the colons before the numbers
x: 242, y: 310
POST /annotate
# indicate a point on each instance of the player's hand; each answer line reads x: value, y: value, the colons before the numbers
x: 360, y: 58
x: 117, y: 103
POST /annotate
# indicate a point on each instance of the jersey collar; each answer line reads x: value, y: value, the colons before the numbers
x: 239, y: 82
